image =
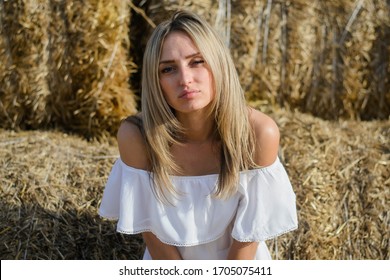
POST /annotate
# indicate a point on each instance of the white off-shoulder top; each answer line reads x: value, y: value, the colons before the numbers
x: 201, y: 226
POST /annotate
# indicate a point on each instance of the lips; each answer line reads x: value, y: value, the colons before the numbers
x: 188, y: 93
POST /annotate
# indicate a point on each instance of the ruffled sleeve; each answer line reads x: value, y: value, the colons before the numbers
x: 267, y: 206
x: 194, y: 218
x: 110, y: 207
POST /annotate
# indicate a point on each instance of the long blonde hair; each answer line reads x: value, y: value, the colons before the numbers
x: 229, y: 108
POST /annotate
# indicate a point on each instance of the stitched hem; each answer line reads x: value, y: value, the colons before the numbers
x: 264, y: 238
x: 208, y: 240
x: 187, y: 244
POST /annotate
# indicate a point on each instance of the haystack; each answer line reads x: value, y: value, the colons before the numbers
x: 51, y: 185
x: 323, y: 58
x: 24, y: 90
x: 245, y: 25
x: 96, y: 41
x: 268, y: 63
x: 160, y: 10
x: 67, y: 64
x: 340, y: 173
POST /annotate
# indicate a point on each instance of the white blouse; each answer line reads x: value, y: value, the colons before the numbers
x: 202, y: 227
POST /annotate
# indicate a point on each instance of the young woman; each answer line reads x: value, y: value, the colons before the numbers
x: 198, y: 173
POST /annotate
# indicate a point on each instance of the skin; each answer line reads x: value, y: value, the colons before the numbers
x: 186, y: 82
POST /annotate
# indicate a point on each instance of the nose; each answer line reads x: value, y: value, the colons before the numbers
x: 185, y: 76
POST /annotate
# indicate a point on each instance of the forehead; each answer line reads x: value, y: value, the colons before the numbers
x: 177, y: 44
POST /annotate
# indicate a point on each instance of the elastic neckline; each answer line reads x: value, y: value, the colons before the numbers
x: 213, y: 176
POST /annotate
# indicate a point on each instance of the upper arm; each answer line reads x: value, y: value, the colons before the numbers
x: 266, y: 133
x: 267, y: 137
x: 131, y: 144
x: 132, y: 150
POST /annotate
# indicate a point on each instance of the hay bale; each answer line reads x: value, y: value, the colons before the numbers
x: 51, y: 186
x: 341, y: 87
x: 96, y: 38
x: 378, y: 77
x: 244, y: 42
x: 340, y: 173
x: 324, y: 58
x: 303, y: 61
x: 161, y: 10
x: 60, y: 63
x: 7, y: 75
x: 25, y: 90
x: 67, y: 65
x: 141, y: 26
x: 356, y: 60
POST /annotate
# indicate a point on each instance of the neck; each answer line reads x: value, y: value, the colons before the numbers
x: 199, y: 127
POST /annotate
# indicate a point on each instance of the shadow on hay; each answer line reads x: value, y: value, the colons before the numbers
x: 377, y: 107
x: 31, y: 232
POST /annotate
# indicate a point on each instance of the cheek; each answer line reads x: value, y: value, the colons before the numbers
x: 163, y: 85
x: 166, y: 89
x: 211, y: 84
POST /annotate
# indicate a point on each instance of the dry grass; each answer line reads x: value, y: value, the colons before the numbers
x: 322, y: 57
x: 65, y: 63
x: 341, y: 174
x: 51, y: 185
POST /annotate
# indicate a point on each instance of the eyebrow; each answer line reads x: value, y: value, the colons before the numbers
x: 188, y: 56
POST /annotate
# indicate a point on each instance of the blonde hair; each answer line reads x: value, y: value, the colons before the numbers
x: 229, y: 108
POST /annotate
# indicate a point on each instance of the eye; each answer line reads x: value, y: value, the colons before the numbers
x: 167, y: 69
x: 198, y: 61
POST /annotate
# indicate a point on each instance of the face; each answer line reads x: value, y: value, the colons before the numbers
x: 185, y: 78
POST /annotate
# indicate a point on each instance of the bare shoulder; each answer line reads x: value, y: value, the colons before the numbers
x: 267, y: 137
x: 132, y: 147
